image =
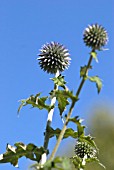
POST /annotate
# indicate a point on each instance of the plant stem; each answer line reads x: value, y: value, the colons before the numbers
x: 49, y: 120
x: 70, y: 110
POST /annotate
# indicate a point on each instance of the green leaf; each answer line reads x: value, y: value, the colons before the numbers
x: 94, y: 55
x: 13, y: 153
x: 77, y: 161
x: 88, y: 139
x: 59, y: 81
x: 62, y: 97
x: 80, y: 128
x: 83, y: 71
x: 68, y: 133
x: 62, y: 103
x: 35, y: 101
x: 95, y: 159
x: 98, y: 82
x: 59, y: 163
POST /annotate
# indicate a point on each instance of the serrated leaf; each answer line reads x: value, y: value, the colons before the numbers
x: 80, y: 128
x: 62, y: 103
x: 62, y: 98
x: 68, y: 133
x: 94, y: 55
x: 35, y: 101
x: 13, y: 154
x: 83, y: 71
x: 59, y: 81
x: 89, y: 140
x: 98, y: 82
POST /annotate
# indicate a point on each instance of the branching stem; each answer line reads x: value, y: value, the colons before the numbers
x: 70, y: 110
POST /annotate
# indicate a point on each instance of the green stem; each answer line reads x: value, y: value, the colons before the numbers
x: 70, y: 110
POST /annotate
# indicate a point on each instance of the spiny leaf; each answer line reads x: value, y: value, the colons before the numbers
x: 59, y: 81
x: 98, y: 82
x: 64, y: 93
x: 62, y: 97
x: 62, y: 103
x: 80, y: 128
x: 68, y: 133
x: 94, y: 55
x: 13, y: 153
x: 83, y: 71
x: 89, y: 140
x: 35, y: 101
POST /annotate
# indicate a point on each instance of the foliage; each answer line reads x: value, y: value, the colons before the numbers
x: 14, y: 153
x: 54, y: 57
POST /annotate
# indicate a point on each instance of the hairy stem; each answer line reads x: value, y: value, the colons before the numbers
x: 49, y: 120
x: 70, y: 110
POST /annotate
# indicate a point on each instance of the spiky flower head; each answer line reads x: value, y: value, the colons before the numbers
x: 54, y: 57
x: 95, y: 36
x: 83, y: 149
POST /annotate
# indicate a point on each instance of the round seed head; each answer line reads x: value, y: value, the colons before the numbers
x: 83, y: 149
x: 54, y: 57
x: 95, y: 36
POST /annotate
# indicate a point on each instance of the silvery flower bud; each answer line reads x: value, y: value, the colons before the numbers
x: 54, y: 57
x: 83, y: 149
x: 95, y: 36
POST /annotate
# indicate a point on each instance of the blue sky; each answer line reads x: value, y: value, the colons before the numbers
x: 25, y: 25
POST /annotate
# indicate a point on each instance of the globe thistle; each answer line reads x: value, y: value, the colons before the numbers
x: 83, y: 149
x: 54, y: 57
x: 95, y: 36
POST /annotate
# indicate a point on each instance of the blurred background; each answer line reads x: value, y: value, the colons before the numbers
x: 24, y: 27
x: 100, y: 126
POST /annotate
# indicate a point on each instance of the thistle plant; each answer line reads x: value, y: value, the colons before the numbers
x: 54, y: 58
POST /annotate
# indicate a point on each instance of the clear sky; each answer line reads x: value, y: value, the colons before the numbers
x: 25, y: 25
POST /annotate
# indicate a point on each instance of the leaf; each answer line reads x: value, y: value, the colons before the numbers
x: 98, y: 82
x: 13, y: 153
x: 68, y: 133
x: 35, y: 101
x: 80, y: 128
x: 83, y: 71
x: 89, y: 140
x: 59, y: 163
x: 63, y: 163
x: 77, y: 161
x: 62, y: 98
x: 62, y: 103
x: 59, y: 81
x: 94, y: 55
x: 95, y: 159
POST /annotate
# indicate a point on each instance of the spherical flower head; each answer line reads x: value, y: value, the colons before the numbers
x: 83, y: 149
x: 95, y: 36
x: 54, y: 57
